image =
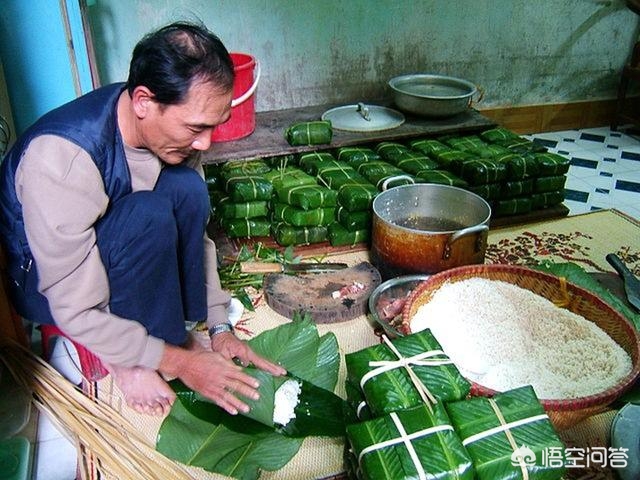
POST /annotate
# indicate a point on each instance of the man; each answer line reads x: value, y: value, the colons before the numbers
x: 103, y: 211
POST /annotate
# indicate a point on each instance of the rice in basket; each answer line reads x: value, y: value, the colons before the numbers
x: 503, y: 336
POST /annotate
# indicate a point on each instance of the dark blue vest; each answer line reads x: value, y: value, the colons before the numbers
x: 91, y: 123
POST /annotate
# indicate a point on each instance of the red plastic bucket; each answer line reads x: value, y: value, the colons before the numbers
x: 243, y: 115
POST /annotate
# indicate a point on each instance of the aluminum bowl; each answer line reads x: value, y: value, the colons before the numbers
x: 382, y: 309
x: 432, y: 95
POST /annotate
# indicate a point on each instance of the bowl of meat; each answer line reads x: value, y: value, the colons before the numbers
x: 387, y: 301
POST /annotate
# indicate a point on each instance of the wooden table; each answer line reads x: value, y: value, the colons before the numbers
x: 268, y: 138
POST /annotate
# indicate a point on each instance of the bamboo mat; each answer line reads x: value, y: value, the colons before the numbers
x: 583, y: 239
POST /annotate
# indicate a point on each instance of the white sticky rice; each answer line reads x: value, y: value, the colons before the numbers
x: 285, y: 402
x: 503, y: 336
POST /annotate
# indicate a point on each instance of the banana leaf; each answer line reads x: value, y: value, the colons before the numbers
x: 551, y: 164
x: 467, y: 143
x: 247, y: 188
x: 489, y: 191
x: 446, y: 158
x: 216, y: 448
x: 516, y: 188
x: 479, y: 172
x: 299, y: 217
x: 240, y: 168
x: 246, y: 227
x: 512, y: 206
x: 308, y: 196
x: 391, y: 150
x: 392, y: 389
x: 355, y: 197
x: 289, y: 177
x: 309, y: 133
x: 574, y: 273
x: 357, y: 155
x: 229, y: 209
x: 549, y: 184
x: 491, y: 451
x: 374, y: 171
x: 311, y: 162
x: 519, y: 166
x: 428, y: 146
x: 498, y: 134
x: 413, y: 163
x: 285, y: 234
x: 354, y: 221
x: 198, y: 433
x: 438, y: 452
x: 441, y: 177
x: 338, y: 235
x: 547, y: 199
x: 336, y: 179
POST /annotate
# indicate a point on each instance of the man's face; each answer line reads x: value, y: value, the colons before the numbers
x: 176, y: 132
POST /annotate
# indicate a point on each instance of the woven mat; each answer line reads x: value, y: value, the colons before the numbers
x: 583, y: 239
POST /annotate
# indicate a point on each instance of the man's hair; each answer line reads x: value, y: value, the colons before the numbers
x: 169, y: 60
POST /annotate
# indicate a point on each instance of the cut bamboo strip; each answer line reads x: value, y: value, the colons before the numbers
x: 118, y: 448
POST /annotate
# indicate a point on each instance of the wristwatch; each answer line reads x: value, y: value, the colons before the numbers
x: 220, y: 328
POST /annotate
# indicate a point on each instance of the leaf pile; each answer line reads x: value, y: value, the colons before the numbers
x: 198, y: 433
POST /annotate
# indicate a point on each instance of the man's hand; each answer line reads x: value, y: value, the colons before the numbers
x: 212, y: 375
x: 230, y: 346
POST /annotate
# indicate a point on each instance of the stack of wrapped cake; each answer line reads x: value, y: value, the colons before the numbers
x: 240, y: 197
x: 354, y: 194
x: 411, y: 418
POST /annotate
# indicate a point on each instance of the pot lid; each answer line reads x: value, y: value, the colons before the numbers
x: 363, y: 118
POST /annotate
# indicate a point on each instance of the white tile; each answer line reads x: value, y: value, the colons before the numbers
x: 55, y: 459
x: 576, y: 208
x: 64, y: 358
x: 47, y: 430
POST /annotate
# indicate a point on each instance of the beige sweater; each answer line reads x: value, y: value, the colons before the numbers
x: 62, y: 197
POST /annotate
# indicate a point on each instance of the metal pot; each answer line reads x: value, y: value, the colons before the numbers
x: 427, y: 228
x: 432, y: 95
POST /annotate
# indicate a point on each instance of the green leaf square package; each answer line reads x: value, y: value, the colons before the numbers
x: 382, y: 371
x: 495, y: 431
x: 410, y: 444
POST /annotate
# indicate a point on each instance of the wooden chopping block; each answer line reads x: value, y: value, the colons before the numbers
x: 314, y: 293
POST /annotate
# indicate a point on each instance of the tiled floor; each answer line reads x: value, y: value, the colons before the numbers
x: 604, y: 173
x: 605, y: 168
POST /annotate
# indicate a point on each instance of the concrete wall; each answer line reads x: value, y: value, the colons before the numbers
x: 330, y: 51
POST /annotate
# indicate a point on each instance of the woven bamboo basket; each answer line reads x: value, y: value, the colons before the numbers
x: 564, y: 413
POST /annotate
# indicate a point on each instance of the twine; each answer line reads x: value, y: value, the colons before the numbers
x: 506, y: 428
x: 406, y: 363
x: 406, y: 439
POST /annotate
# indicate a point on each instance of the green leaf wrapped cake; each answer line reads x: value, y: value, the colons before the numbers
x: 352, y: 221
x: 316, y: 132
x: 289, y: 177
x: 417, y: 443
x: 551, y: 164
x: 308, y: 196
x: 441, y: 177
x: 339, y: 235
x: 247, y: 188
x: 246, y: 227
x: 549, y: 184
x: 229, y: 209
x: 512, y: 425
x: 356, y: 155
x: 405, y: 372
x: 429, y: 146
x: 357, y: 196
x: 286, y: 234
x: 298, y: 217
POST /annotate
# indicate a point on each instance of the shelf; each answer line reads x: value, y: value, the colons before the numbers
x: 268, y: 138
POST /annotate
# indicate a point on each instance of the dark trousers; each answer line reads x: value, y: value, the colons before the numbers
x: 151, y: 244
